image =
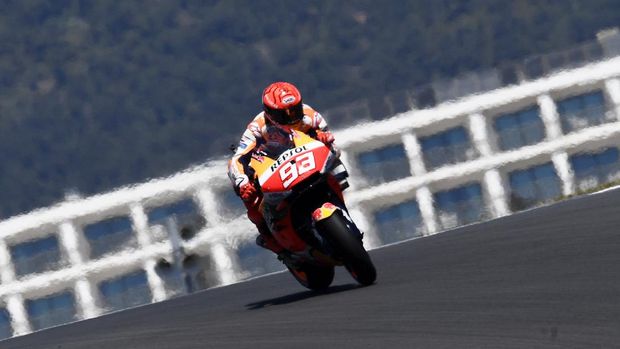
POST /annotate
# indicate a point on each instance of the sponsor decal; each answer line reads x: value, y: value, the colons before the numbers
x: 288, y: 99
x: 293, y: 169
x: 287, y: 155
x: 317, y: 214
x: 324, y: 211
x: 241, y: 180
x: 288, y: 168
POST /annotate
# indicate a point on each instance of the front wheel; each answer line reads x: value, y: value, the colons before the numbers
x: 349, y: 247
x: 313, y: 276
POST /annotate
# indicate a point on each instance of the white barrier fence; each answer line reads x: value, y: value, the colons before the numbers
x: 84, y: 272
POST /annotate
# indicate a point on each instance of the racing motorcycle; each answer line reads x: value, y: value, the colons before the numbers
x: 304, y: 208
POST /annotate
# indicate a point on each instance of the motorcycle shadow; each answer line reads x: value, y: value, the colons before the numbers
x: 299, y: 296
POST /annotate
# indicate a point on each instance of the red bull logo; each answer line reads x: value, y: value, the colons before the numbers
x: 324, y: 211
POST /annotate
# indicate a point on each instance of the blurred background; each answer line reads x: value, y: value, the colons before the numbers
x: 116, y: 118
x: 99, y: 94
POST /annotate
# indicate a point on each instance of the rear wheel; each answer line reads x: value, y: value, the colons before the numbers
x: 313, y: 276
x: 349, y: 247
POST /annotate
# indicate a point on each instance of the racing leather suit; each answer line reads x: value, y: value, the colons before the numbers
x: 261, y: 133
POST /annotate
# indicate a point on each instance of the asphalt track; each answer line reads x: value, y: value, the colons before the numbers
x: 544, y: 278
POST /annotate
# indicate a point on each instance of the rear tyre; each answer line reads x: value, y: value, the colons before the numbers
x: 312, y: 276
x: 349, y: 247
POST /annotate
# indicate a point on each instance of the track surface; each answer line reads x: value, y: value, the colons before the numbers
x: 543, y: 278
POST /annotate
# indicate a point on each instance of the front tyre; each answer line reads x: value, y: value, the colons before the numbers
x: 312, y: 276
x: 349, y: 247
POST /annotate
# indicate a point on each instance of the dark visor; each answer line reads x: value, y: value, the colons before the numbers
x: 286, y: 116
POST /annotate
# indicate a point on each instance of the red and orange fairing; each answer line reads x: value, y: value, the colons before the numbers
x: 258, y: 131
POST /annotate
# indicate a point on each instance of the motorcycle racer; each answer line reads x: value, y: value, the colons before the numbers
x: 269, y: 131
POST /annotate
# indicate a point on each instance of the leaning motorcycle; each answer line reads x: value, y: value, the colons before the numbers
x: 303, y: 205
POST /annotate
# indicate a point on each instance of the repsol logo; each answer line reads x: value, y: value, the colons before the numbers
x: 287, y: 155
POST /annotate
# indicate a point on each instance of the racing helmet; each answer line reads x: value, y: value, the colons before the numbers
x: 282, y: 103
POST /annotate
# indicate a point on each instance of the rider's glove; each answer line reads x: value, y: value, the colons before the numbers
x: 325, y: 137
x: 248, y: 192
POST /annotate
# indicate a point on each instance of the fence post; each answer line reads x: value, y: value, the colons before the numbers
x: 564, y: 171
x: 497, y: 193
x: 140, y: 221
x: 427, y: 210
x: 612, y: 86
x: 414, y: 154
x: 74, y: 246
x: 480, y: 134
x: 550, y: 117
x: 19, y: 317
x: 14, y: 302
x: 226, y: 264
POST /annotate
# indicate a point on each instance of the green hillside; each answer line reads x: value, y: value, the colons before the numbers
x: 98, y: 94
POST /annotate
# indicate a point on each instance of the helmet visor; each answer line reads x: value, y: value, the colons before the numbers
x: 286, y: 116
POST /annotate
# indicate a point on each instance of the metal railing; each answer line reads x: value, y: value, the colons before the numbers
x: 471, y: 83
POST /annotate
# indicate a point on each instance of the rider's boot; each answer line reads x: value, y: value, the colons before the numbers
x: 266, y: 240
